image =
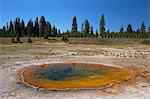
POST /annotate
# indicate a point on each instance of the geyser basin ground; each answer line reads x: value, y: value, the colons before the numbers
x: 61, y: 76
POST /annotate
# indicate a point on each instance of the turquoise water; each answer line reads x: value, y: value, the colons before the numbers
x: 58, y: 72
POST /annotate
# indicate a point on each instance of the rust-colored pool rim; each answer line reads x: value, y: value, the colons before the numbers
x: 130, y: 76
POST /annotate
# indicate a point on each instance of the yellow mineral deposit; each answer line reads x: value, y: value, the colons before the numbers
x: 62, y: 76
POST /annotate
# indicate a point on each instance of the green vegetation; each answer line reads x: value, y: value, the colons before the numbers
x: 42, y: 28
x: 147, y: 42
x: 74, y: 25
x: 65, y: 38
x: 110, y: 41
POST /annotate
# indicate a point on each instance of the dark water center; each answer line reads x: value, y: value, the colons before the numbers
x: 60, y: 72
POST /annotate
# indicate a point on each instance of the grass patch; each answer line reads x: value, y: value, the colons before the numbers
x: 107, y: 41
x: 146, y: 42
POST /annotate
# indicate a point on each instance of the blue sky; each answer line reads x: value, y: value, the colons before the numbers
x: 61, y: 12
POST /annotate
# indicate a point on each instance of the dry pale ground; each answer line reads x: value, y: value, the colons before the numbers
x: 16, y: 56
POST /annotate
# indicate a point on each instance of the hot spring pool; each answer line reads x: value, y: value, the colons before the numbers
x: 61, y: 76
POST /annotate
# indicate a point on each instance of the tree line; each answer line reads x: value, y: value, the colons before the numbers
x: 43, y: 28
x: 87, y: 30
x: 37, y: 28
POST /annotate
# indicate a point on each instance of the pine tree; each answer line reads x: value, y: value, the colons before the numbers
x: 11, y: 29
x: 108, y: 31
x: 7, y: 30
x: 59, y: 33
x: 129, y: 29
x: 86, y: 28
x: 137, y: 32
x: 102, y: 24
x: 17, y: 29
x: 121, y: 29
x: 7, y: 26
x: 149, y: 29
x: 22, y: 28
x: 143, y: 28
x: 82, y: 28
x: 96, y: 33
x: 56, y: 32
x: 74, y: 25
x: 42, y: 26
x: 30, y: 28
x: 48, y: 30
x: 148, y: 32
x: 1, y: 32
x: 4, y: 31
x: 91, y: 31
x: 53, y: 31
x: 36, y: 27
